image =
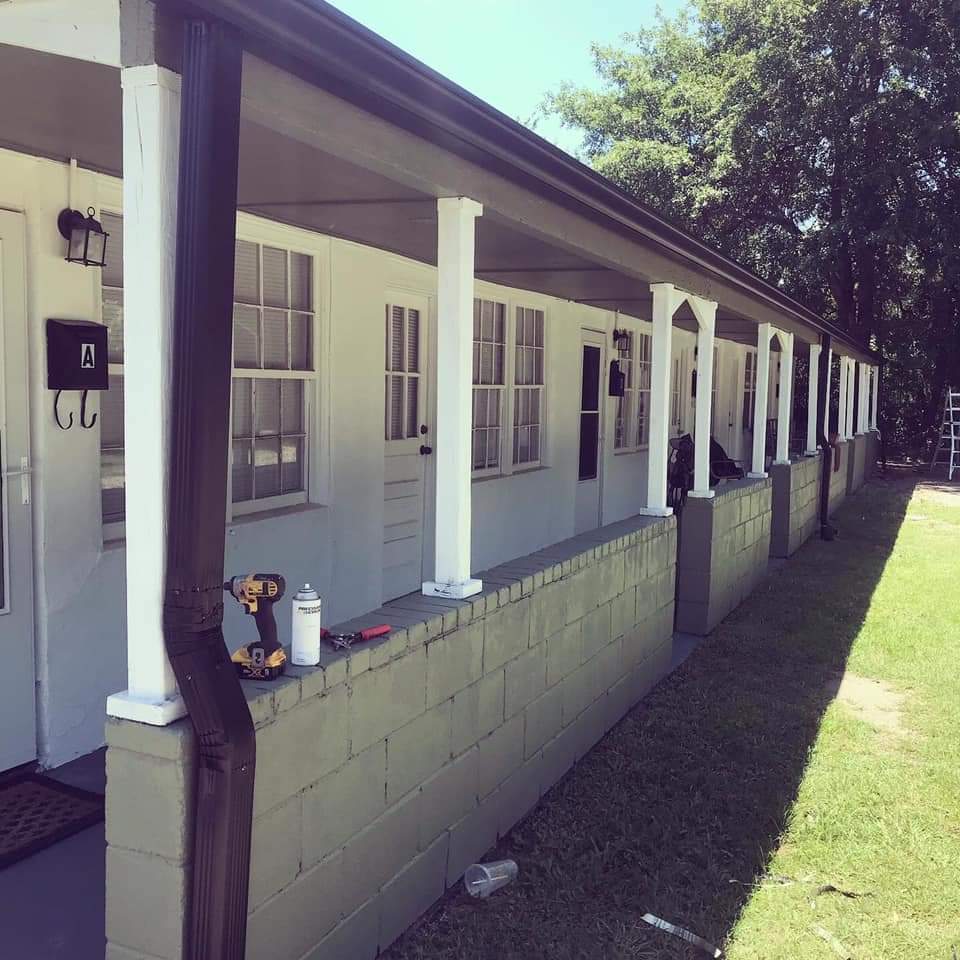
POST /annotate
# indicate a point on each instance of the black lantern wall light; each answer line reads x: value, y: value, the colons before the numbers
x: 85, y: 236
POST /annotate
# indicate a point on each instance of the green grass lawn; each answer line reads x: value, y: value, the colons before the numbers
x: 742, y: 786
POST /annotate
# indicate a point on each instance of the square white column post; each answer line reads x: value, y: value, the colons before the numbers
x: 456, y: 241
x: 864, y: 397
x: 666, y: 299
x: 842, y: 401
x: 851, y: 382
x: 874, y: 412
x: 764, y: 334
x: 812, y: 382
x: 151, y: 149
x: 706, y: 313
x: 826, y: 394
x: 785, y: 400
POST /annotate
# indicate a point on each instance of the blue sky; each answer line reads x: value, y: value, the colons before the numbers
x: 508, y: 52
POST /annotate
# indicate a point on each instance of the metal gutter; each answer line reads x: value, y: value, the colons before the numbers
x: 329, y: 49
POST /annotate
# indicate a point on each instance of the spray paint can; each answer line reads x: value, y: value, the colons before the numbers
x: 305, y: 644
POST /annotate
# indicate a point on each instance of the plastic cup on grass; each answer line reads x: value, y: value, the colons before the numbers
x: 481, y: 879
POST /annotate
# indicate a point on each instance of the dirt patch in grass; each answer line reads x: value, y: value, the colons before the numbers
x: 873, y: 701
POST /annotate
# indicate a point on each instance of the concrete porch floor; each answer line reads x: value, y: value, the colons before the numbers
x: 53, y: 902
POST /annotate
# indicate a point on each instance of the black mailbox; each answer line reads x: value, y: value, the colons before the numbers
x: 76, y: 355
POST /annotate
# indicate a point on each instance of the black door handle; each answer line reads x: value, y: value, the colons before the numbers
x: 425, y: 450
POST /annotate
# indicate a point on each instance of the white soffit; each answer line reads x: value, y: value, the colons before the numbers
x: 82, y: 29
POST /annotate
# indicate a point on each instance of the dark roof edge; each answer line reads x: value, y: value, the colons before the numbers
x: 326, y: 47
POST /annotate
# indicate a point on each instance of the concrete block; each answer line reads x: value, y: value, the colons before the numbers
x: 174, y: 742
x: 526, y: 679
x: 274, y: 851
x: 563, y: 652
x: 500, y: 754
x: 635, y: 563
x: 354, y: 938
x: 559, y: 755
x: 139, y: 886
x: 477, y: 711
x: 149, y: 804
x: 383, y: 700
x: 596, y: 631
x: 300, y: 747
x: 449, y: 795
x: 471, y: 838
x: 506, y: 634
x: 454, y: 661
x: 379, y: 851
x: 518, y: 794
x: 579, y: 690
x: 623, y: 612
x: 582, y: 593
x: 610, y: 574
x: 417, y: 750
x: 548, y: 611
x: 413, y: 890
x: 344, y: 802
x: 610, y: 664
x: 295, y: 920
x: 115, y: 952
x: 543, y: 719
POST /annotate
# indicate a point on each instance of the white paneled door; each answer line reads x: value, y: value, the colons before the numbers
x: 18, y: 735
x: 407, y: 442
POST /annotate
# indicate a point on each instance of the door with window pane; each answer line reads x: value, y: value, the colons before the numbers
x: 587, y: 509
x: 406, y: 442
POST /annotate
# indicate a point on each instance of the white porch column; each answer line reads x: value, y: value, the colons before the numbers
x: 785, y: 399
x: 874, y: 412
x: 456, y: 236
x: 706, y: 313
x: 812, y: 381
x: 764, y: 335
x: 851, y: 381
x: 151, y: 144
x: 842, y: 401
x: 864, y: 397
x: 826, y: 394
x: 666, y: 300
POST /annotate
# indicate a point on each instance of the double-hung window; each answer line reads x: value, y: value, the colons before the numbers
x: 508, y: 387
x: 749, y: 388
x: 632, y: 429
x: 112, y: 486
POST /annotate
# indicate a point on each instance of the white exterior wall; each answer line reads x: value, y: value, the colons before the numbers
x: 335, y: 543
x: 82, y: 29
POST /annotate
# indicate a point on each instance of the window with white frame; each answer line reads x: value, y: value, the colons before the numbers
x: 749, y: 388
x: 675, y: 392
x: 274, y: 317
x: 273, y: 323
x: 489, y: 382
x: 401, y: 417
x: 528, y: 387
x: 112, y: 486
x: 632, y: 428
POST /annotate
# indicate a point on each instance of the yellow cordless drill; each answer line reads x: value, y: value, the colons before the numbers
x: 263, y: 659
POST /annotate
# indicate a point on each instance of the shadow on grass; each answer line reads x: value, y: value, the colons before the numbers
x: 678, y: 810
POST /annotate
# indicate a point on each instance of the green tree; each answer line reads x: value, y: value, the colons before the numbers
x: 817, y: 142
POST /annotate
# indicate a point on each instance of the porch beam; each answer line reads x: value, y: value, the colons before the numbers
x: 785, y: 398
x: 456, y: 243
x: 151, y: 150
x: 764, y: 334
x: 666, y: 301
x: 706, y: 313
x: 813, y: 376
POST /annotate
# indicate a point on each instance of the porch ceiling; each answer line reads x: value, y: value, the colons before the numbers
x: 314, y: 161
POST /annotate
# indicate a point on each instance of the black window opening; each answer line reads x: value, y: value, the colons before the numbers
x: 590, y: 413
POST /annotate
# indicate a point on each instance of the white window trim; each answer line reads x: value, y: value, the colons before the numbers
x: 507, y: 467
x: 316, y: 381
x: 637, y: 329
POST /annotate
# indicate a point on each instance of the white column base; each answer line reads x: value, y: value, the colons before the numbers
x: 757, y: 475
x: 701, y: 494
x: 458, y: 591
x: 811, y: 453
x: 782, y: 463
x: 655, y: 512
x: 128, y: 706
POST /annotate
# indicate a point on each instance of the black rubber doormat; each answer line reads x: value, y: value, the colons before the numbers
x: 36, y: 811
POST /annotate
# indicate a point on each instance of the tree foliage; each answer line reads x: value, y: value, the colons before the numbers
x: 817, y: 142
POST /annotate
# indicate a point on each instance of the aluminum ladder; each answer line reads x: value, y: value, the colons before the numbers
x: 948, y: 446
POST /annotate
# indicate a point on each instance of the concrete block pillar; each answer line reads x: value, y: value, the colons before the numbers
x: 812, y: 382
x: 785, y: 400
x: 151, y: 149
x: 666, y: 300
x: 456, y: 242
x: 764, y: 335
x: 706, y: 313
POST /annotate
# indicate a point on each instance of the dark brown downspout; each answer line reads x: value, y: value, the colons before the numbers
x: 827, y: 530
x: 197, y: 485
